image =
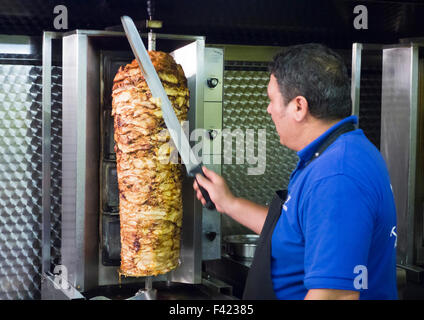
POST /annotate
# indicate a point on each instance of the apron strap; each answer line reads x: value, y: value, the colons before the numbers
x: 258, y: 283
x: 347, y: 127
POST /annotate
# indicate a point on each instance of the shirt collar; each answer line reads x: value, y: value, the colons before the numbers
x: 306, y: 153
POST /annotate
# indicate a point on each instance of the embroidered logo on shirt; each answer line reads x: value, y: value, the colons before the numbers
x: 284, y: 205
x: 393, y: 233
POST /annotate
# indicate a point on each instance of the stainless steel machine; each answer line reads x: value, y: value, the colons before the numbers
x: 402, y: 146
x: 90, y: 250
x: 402, y: 116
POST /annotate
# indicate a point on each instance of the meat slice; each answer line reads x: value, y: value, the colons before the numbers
x: 150, y: 202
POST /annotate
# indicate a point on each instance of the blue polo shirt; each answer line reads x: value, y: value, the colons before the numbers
x: 337, y: 228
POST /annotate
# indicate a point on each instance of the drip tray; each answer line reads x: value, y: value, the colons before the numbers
x: 173, y: 291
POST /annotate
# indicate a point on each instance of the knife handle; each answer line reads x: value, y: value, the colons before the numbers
x: 209, y: 204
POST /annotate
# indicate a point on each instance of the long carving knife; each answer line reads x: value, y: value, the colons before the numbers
x: 193, y: 165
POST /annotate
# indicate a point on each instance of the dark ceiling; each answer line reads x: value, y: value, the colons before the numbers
x: 266, y: 22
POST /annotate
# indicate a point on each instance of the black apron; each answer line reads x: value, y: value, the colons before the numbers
x: 259, y: 283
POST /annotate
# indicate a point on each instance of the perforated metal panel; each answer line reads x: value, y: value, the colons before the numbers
x: 20, y: 181
x: 370, y: 104
x: 370, y: 93
x: 245, y: 103
x: 20, y: 178
x: 56, y: 165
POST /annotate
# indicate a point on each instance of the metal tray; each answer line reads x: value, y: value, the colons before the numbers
x: 241, y: 245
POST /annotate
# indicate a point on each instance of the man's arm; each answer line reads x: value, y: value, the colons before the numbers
x: 331, y: 294
x: 246, y: 212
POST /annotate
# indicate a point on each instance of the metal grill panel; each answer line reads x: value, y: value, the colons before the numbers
x: 20, y: 178
x: 370, y: 104
x: 20, y: 181
x: 245, y: 104
x: 56, y: 165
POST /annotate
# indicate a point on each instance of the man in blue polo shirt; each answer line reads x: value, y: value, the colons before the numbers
x: 333, y: 235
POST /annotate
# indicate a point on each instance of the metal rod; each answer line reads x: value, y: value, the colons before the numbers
x: 168, y: 279
x: 150, y: 8
x: 148, y: 283
x: 46, y: 150
x: 356, y: 78
x: 164, y: 36
x: 412, y: 162
x: 151, y: 36
x: 151, y: 41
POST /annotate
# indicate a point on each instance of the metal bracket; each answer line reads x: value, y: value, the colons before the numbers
x: 413, y: 273
x: 51, y: 290
x: 144, y: 294
x: 153, y: 24
x: 148, y: 293
x: 217, y: 285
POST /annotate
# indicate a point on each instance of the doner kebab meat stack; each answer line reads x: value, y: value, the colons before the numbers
x: 150, y: 202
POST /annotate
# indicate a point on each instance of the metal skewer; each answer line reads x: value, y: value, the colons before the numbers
x: 168, y: 279
x: 151, y: 44
x: 148, y: 283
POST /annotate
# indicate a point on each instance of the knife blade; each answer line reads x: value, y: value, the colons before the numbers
x: 193, y: 165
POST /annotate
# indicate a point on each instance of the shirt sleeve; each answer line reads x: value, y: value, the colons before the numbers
x: 338, y: 223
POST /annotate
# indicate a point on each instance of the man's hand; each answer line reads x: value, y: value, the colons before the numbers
x: 331, y: 294
x: 217, y: 188
x: 246, y: 212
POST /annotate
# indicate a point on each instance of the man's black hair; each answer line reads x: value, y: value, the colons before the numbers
x: 317, y: 73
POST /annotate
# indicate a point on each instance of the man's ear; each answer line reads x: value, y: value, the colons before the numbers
x: 301, y: 108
